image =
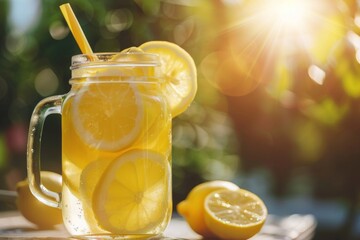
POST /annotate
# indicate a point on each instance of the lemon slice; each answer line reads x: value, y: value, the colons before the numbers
x: 133, y: 194
x: 71, y: 176
x: 179, y: 73
x: 108, y: 116
x: 89, y: 178
x: 237, y: 214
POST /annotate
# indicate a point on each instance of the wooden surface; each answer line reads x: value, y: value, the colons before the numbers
x: 294, y: 227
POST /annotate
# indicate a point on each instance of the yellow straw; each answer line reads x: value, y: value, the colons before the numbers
x: 75, y: 28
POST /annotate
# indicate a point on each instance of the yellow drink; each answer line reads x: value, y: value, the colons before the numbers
x: 116, y: 152
x: 116, y: 140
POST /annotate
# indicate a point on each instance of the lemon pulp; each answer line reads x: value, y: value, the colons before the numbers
x: 131, y: 196
x: 116, y: 106
x: 237, y: 214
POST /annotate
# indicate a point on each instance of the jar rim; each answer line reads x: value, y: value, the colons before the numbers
x: 108, y: 59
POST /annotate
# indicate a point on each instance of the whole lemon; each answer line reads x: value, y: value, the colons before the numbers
x: 192, y: 208
x: 43, y: 216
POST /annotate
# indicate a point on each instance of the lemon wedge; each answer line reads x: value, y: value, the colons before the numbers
x: 237, y: 214
x: 179, y: 73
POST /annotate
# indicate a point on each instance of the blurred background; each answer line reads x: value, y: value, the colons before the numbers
x: 278, y: 104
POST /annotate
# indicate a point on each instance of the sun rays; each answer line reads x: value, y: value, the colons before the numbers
x: 264, y: 33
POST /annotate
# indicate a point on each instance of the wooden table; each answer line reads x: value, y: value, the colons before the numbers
x: 14, y: 226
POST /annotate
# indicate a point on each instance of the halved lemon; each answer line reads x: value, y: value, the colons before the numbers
x: 234, y: 214
x: 132, y: 196
x: 179, y: 73
x: 193, y: 207
x: 108, y: 116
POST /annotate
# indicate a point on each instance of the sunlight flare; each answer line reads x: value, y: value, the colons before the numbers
x: 288, y: 15
x: 261, y: 34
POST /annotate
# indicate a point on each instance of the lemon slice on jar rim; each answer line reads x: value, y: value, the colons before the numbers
x: 179, y: 72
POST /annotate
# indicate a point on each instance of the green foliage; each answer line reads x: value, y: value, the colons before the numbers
x: 327, y: 112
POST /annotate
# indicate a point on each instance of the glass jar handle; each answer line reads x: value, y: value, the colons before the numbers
x: 46, y: 107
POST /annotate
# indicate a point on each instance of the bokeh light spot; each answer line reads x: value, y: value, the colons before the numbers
x: 202, y: 137
x: 119, y: 20
x: 184, y: 30
x: 317, y: 74
x: 15, y: 45
x: 288, y: 99
x: 46, y: 82
x: 184, y: 136
x: 58, y: 31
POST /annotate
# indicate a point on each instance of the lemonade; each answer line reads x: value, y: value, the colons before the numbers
x: 116, y: 148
